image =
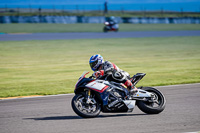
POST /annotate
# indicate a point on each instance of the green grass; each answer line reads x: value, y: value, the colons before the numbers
x: 53, y: 67
x: 37, y: 28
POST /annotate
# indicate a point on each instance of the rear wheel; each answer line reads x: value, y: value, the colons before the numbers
x: 156, y: 105
x: 84, y: 109
x: 116, y: 30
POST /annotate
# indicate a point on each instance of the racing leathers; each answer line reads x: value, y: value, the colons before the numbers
x: 112, y: 23
x: 113, y: 73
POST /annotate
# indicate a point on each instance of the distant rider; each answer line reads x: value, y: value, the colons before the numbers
x: 112, y: 22
x: 103, y: 69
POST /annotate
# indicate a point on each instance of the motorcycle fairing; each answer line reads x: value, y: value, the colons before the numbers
x: 101, y: 86
x: 81, y: 78
x: 130, y: 103
x: 82, y: 82
x: 97, y: 86
x: 118, y: 105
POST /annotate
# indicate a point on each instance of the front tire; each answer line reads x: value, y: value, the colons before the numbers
x: 148, y: 107
x: 105, y: 29
x: 83, y: 109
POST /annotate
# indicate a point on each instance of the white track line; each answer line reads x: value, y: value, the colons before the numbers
x: 37, y: 96
x: 193, y: 132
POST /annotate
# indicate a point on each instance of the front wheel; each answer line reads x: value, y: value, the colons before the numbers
x: 105, y: 29
x: 155, y: 106
x: 84, y: 109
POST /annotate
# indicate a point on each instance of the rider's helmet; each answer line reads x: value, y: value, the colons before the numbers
x: 112, y: 18
x: 95, y: 62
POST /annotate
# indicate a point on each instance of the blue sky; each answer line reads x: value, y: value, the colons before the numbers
x: 170, y: 5
x: 20, y: 2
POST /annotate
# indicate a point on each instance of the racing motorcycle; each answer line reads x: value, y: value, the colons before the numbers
x: 108, y: 27
x: 93, y: 96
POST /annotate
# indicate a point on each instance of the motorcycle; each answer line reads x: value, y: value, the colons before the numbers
x: 93, y: 96
x: 110, y: 27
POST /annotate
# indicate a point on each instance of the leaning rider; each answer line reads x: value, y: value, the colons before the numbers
x: 112, y: 21
x: 103, y: 69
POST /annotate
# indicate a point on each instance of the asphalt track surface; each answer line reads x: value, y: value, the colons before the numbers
x: 53, y: 114
x: 94, y: 35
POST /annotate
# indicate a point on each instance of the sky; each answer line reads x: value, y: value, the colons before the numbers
x: 187, y: 5
x: 93, y: 1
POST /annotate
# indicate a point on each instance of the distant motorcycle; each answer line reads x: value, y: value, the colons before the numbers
x: 110, y: 27
x: 95, y: 95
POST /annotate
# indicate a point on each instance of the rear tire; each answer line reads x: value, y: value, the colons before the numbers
x: 80, y: 107
x: 116, y: 30
x: 147, y: 107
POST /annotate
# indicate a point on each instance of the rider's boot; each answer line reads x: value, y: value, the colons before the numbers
x: 132, y: 89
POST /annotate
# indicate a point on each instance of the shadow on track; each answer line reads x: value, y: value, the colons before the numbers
x: 78, y: 117
x: 55, y: 118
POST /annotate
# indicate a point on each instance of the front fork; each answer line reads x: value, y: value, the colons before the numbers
x: 88, y: 96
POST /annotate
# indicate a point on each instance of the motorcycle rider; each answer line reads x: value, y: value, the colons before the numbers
x: 112, y: 22
x: 102, y: 69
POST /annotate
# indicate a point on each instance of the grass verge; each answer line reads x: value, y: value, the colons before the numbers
x: 53, y: 67
x: 38, y: 28
x: 100, y: 13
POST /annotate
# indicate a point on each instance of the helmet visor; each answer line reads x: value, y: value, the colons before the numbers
x: 93, y: 64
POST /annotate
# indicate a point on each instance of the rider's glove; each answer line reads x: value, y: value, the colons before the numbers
x: 98, y: 74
